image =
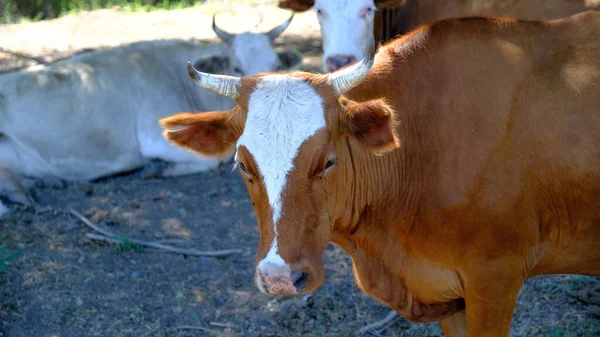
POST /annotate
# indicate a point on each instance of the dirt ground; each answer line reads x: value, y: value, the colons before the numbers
x: 54, y: 281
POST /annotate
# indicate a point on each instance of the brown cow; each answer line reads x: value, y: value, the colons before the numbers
x: 346, y: 25
x: 461, y: 160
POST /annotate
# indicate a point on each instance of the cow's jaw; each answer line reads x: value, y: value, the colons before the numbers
x: 283, y: 112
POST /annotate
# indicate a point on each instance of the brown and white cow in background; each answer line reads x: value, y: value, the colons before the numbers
x: 461, y: 160
x: 347, y: 25
x: 96, y: 114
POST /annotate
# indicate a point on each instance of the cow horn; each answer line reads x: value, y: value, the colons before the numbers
x: 275, y: 32
x: 223, y: 35
x: 347, y: 78
x: 219, y: 84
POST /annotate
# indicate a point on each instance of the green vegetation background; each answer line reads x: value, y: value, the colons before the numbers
x: 13, y: 11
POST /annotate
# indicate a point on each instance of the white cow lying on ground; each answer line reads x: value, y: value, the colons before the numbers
x: 97, y: 113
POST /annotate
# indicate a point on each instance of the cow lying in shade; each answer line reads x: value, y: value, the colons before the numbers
x: 347, y: 26
x: 96, y: 114
x: 461, y: 160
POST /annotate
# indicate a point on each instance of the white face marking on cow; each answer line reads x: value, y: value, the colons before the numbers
x: 346, y: 27
x: 248, y: 48
x: 282, y: 113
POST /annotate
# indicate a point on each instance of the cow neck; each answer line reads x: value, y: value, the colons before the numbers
x: 378, y: 198
x: 377, y: 194
x: 375, y: 199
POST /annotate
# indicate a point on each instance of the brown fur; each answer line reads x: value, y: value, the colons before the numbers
x: 210, y: 133
x: 373, y: 124
x: 497, y: 179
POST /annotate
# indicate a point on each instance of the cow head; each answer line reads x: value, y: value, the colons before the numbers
x: 251, y: 53
x: 291, y: 133
x: 346, y: 26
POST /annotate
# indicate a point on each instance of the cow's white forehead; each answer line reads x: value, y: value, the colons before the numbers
x: 254, y: 53
x: 282, y: 113
x: 342, y: 8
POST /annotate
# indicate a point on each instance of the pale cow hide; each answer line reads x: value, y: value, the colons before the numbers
x: 96, y: 114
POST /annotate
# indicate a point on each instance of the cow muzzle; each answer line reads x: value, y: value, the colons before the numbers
x: 338, y: 61
x: 280, y: 280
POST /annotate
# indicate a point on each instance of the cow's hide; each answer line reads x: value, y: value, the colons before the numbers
x: 97, y: 113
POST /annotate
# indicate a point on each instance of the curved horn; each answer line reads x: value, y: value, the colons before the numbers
x: 275, y: 32
x: 219, y: 84
x: 223, y: 35
x: 347, y: 78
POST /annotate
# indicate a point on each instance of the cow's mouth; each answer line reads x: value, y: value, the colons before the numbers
x: 300, y: 278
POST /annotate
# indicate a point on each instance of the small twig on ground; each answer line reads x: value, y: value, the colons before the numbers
x: 91, y: 225
x: 222, y: 325
x: 163, y: 241
x: 373, y: 327
x: 114, y: 238
x: 150, y: 331
x: 23, y: 55
x: 193, y: 327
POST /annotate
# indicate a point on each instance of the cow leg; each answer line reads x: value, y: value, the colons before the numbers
x: 491, y: 297
x: 11, y: 189
x: 455, y: 325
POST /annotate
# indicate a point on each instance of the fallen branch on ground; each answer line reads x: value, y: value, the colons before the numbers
x: 114, y: 238
x: 193, y: 327
x: 222, y: 325
x: 374, y: 327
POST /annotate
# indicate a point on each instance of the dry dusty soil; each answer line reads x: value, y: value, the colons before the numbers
x: 54, y: 281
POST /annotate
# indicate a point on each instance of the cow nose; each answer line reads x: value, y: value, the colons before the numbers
x: 282, y: 281
x: 338, y: 61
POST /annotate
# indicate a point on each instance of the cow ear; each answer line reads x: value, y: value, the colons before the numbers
x: 373, y: 124
x: 208, y: 133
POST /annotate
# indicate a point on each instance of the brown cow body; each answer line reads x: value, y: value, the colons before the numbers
x: 496, y: 180
x: 394, y: 20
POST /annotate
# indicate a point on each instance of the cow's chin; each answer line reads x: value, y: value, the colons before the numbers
x: 315, y: 280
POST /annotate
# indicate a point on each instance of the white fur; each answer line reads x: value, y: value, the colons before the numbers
x: 282, y: 113
x: 247, y: 48
x: 344, y: 31
x: 273, y: 264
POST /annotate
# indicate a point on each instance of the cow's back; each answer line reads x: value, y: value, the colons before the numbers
x: 391, y: 22
x: 500, y: 120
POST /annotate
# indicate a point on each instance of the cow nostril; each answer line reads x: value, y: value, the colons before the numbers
x: 299, y: 279
x: 339, y: 61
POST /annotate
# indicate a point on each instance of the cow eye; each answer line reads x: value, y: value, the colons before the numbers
x: 329, y: 164
x: 366, y: 11
x: 238, y: 71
